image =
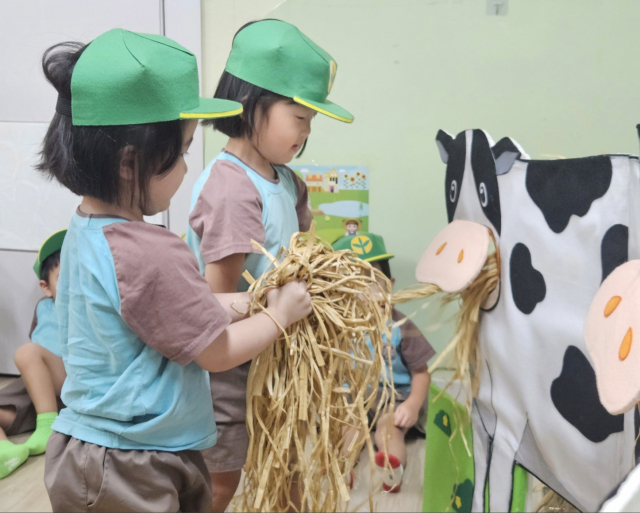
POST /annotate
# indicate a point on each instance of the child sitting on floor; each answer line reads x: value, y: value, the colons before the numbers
x: 410, y: 352
x: 33, y: 401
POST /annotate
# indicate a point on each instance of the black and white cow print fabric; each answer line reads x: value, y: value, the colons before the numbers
x: 561, y: 226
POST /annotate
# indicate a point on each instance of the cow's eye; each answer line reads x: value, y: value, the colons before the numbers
x: 453, y: 191
x: 482, y: 192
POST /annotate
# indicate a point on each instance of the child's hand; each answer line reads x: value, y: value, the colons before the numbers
x: 290, y: 303
x: 406, y: 414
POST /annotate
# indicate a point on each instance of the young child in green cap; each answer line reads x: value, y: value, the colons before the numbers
x: 32, y: 402
x: 410, y: 352
x: 247, y: 193
x: 139, y: 326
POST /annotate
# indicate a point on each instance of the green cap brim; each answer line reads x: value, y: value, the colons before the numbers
x: 210, y: 108
x: 388, y: 256
x: 50, y: 246
x: 327, y: 108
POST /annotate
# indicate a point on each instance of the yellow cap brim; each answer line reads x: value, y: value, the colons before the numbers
x: 327, y: 108
x: 388, y: 256
x: 211, y: 108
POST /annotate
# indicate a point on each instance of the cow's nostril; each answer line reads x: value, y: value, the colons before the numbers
x: 625, y: 347
x: 441, y: 248
x: 461, y: 255
x: 612, y: 304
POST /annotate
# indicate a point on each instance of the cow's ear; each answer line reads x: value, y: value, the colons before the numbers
x: 444, y: 142
x: 505, y: 153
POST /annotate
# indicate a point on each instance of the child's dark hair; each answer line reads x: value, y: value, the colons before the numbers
x: 385, y: 267
x: 49, y: 264
x: 86, y: 159
x: 251, y: 96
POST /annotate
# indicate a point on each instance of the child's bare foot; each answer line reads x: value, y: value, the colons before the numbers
x: 391, y: 478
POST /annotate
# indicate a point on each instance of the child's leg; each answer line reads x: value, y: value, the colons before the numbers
x: 11, y: 455
x: 226, y: 459
x: 390, y: 438
x: 16, y: 415
x: 350, y: 435
x: 224, y: 486
x: 390, y: 441
x: 7, y: 416
x: 43, y: 374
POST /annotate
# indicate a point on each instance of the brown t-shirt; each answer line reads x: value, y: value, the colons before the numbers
x: 228, y: 212
x: 163, y: 297
x: 414, y: 347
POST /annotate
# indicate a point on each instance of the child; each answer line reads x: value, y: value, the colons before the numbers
x: 247, y: 193
x: 410, y: 352
x: 41, y: 368
x: 138, y: 323
x: 352, y: 226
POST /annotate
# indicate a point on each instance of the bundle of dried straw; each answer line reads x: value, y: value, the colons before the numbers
x: 465, y: 341
x: 316, y: 382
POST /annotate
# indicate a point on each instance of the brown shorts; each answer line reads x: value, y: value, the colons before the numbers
x: 15, y: 394
x: 80, y: 476
x: 229, y: 395
x: 401, y: 396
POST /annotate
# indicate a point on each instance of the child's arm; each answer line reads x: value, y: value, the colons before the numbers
x: 407, y: 412
x: 224, y: 275
x: 246, y: 339
x: 236, y: 304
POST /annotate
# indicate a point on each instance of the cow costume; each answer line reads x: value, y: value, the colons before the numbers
x: 561, y: 227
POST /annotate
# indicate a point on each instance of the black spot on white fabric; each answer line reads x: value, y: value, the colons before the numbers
x: 614, y: 250
x: 484, y: 173
x: 527, y: 284
x: 575, y: 396
x: 564, y: 188
x: 456, y: 156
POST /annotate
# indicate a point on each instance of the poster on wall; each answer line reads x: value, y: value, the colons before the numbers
x: 338, y: 198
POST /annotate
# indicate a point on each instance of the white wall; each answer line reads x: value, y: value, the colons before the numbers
x: 32, y: 208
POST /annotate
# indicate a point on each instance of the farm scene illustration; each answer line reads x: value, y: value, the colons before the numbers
x: 337, y: 195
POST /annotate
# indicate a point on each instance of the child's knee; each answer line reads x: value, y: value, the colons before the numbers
x: 225, y: 484
x: 26, y: 354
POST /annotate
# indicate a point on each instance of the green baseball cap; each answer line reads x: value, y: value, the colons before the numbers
x: 127, y: 78
x: 368, y: 246
x: 276, y: 56
x: 50, y: 246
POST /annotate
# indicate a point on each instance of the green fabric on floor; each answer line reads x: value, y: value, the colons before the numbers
x: 11, y: 457
x: 448, y: 470
x: 37, y: 442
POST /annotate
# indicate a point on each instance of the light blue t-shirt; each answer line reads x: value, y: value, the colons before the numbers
x: 401, y: 374
x: 134, y: 312
x: 46, y: 332
x: 279, y: 215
